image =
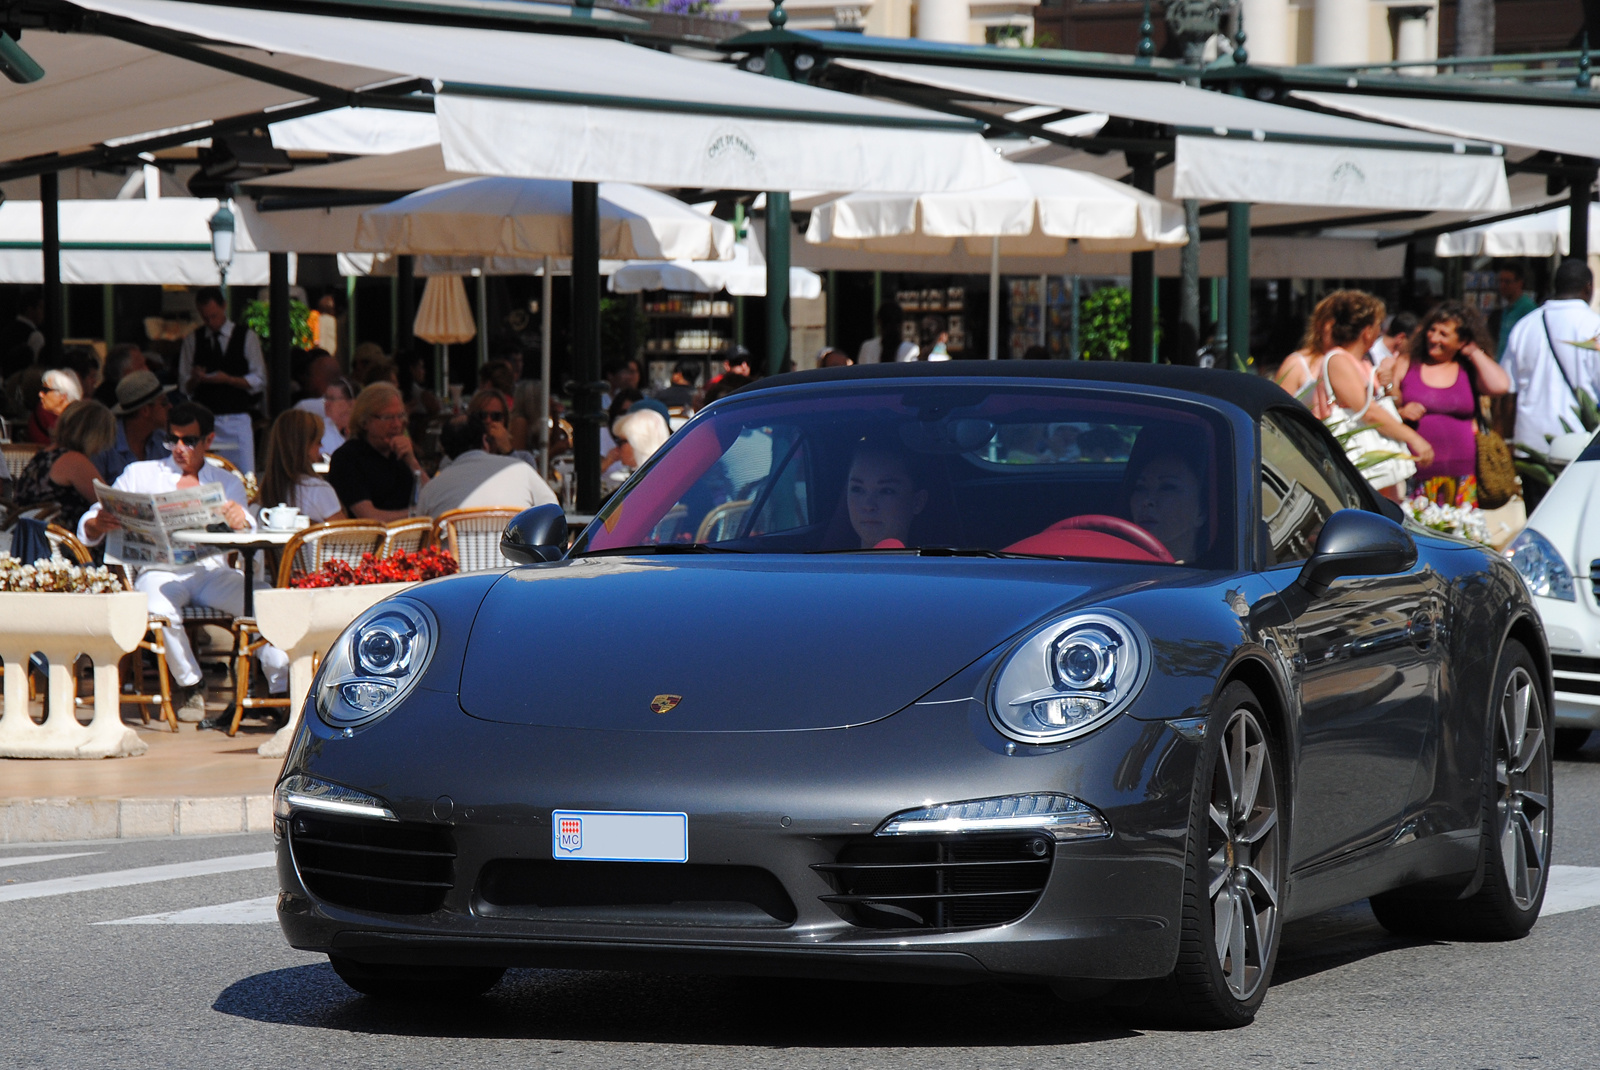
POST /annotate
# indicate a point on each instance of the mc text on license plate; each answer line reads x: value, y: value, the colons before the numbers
x: 620, y: 836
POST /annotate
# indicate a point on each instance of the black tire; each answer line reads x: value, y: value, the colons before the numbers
x: 1518, y: 817
x: 1237, y: 866
x: 415, y: 983
x: 1569, y: 741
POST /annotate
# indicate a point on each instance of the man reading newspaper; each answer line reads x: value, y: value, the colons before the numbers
x: 172, y: 577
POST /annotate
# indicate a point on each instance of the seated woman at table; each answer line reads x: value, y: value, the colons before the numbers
x: 64, y: 474
x: 287, y: 477
x: 207, y: 581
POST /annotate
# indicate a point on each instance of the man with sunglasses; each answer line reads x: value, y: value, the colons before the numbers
x: 209, y: 581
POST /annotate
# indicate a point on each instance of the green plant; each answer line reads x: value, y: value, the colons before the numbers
x: 1103, y: 324
x: 258, y: 316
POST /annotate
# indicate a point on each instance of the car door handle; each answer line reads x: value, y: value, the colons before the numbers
x: 1421, y: 630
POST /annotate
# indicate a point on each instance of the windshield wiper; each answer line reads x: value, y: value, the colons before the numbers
x: 662, y: 548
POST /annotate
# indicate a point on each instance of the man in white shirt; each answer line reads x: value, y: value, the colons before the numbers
x: 1546, y: 368
x: 480, y: 473
x: 220, y: 366
x: 207, y: 582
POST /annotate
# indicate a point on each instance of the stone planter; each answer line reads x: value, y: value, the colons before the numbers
x: 62, y: 627
x: 302, y: 624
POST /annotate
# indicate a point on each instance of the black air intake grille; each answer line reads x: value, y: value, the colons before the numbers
x: 380, y: 866
x: 633, y: 893
x: 954, y: 882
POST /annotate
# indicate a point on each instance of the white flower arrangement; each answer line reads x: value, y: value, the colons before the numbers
x: 1466, y: 521
x: 54, y: 575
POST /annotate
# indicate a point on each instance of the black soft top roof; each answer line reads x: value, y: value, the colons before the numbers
x: 1251, y: 393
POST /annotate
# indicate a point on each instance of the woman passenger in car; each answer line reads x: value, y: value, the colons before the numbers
x: 884, y: 497
x: 1165, y: 498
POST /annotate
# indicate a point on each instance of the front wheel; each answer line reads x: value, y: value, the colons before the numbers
x: 1517, y: 821
x: 391, y: 981
x: 1234, y: 882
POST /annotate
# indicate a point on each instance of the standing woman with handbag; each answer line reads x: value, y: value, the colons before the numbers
x: 1301, y: 371
x: 1362, y: 415
x: 1446, y: 369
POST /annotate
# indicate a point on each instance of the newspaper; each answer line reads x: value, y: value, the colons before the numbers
x: 148, y: 521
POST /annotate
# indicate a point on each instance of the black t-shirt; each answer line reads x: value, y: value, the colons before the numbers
x: 360, y: 473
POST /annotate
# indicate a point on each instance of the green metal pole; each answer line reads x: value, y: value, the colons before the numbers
x: 349, y: 316
x: 279, y: 344
x: 108, y: 315
x: 831, y: 329
x: 1142, y: 330
x: 55, y: 304
x: 1239, y: 283
x: 586, y: 343
x: 778, y: 223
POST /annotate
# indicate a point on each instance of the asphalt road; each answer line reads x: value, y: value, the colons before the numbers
x: 198, y: 975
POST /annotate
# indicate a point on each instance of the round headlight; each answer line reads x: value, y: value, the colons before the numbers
x: 1068, y: 677
x: 1086, y: 658
x: 375, y: 663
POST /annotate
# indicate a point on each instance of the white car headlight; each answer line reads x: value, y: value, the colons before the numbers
x: 1541, y: 566
x: 1069, y: 677
x: 375, y: 663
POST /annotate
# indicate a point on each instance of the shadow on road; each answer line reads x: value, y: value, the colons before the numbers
x: 573, y: 1005
x: 1332, y: 939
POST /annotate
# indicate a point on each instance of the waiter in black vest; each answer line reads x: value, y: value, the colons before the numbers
x: 221, y: 367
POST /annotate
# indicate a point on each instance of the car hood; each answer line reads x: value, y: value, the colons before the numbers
x: 748, y: 644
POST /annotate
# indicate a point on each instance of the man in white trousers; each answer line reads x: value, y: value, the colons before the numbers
x: 209, y: 581
x: 220, y: 365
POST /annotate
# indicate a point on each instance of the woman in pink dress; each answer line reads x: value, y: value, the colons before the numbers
x: 1446, y: 369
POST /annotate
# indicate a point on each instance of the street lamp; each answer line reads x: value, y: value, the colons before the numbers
x: 222, y: 240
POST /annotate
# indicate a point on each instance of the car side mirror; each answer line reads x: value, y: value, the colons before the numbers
x: 1357, y: 543
x: 534, y: 535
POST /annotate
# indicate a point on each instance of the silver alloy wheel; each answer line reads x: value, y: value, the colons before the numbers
x: 1522, y: 789
x: 1244, y: 854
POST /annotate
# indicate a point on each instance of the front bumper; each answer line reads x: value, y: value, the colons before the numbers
x: 1573, y: 629
x: 780, y: 803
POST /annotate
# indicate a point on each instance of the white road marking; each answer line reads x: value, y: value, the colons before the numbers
x: 120, y: 878
x: 245, y: 912
x: 1571, y: 888
x: 27, y: 860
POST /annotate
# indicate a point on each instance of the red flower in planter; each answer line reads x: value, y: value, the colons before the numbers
x: 402, y: 566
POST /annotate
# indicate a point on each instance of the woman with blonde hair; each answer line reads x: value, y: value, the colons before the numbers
x: 64, y: 474
x: 287, y: 478
x: 1300, y: 371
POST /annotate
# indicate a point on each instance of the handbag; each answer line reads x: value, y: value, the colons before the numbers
x: 1361, y: 439
x: 1497, y: 471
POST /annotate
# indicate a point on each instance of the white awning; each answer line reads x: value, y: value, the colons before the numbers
x: 134, y: 242
x: 528, y: 217
x: 743, y: 276
x: 357, y: 132
x: 1542, y: 234
x: 591, y: 109
x: 400, y: 172
x: 1565, y: 129
x: 1038, y: 213
x: 1236, y: 148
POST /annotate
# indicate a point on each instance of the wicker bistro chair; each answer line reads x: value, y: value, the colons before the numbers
x: 18, y: 454
x: 410, y: 535
x: 336, y: 540
x: 343, y: 540
x: 473, y: 536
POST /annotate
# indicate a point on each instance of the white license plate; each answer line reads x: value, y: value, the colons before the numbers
x: 620, y: 836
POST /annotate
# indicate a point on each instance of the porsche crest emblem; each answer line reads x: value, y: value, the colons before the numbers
x: 664, y: 703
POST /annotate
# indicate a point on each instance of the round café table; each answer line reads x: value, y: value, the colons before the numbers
x: 248, y: 543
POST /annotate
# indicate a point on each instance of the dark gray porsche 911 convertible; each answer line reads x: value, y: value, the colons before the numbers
x: 1093, y: 675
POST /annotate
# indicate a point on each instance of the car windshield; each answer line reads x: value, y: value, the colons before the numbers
x: 936, y: 468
